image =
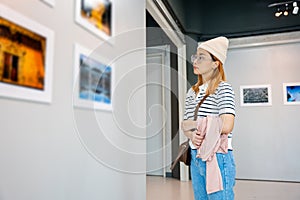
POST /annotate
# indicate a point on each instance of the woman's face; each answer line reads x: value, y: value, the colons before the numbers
x: 203, y: 63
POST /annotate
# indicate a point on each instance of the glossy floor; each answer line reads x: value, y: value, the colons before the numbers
x: 173, y: 189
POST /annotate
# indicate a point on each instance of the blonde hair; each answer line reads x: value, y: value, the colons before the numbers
x: 217, y: 76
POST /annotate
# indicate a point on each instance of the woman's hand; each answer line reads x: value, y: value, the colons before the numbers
x: 195, y: 137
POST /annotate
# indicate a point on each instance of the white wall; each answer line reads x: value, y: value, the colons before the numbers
x: 56, y: 151
x: 266, y: 139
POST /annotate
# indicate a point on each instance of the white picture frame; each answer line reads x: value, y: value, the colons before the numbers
x: 99, y: 23
x: 93, y: 80
x: 256, y: 95
x: 291, y: 93
x: 21, y: 76
x: 51, y: 3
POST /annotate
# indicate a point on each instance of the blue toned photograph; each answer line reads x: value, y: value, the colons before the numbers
x: 293, y: 93
x: 94, y: 80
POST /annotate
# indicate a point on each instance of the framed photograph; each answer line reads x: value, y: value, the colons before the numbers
x: 93, y: 79
x: 256, y: 95
x: 291, y: 93
x: 49, y: 2
x: 26, y: 56
x: 95, y: 16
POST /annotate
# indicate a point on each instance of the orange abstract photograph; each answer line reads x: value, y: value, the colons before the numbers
x: 97, y: 13
x: 22, y: 56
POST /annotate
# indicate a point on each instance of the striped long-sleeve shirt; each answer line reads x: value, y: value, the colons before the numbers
x: 221, y: 102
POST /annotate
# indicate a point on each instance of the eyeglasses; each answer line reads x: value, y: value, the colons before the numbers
x: 199, y: 58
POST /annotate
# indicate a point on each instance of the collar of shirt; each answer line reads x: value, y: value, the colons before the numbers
x: 203, y: 87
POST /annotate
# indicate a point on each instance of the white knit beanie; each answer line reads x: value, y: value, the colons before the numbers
x: 217, y: 47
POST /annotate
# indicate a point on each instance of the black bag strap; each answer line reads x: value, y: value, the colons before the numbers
x: 185, y: 146
x: 198, y: 106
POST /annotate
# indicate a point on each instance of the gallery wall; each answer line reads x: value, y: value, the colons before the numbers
x: 56, y: 150
x: 265, y: 136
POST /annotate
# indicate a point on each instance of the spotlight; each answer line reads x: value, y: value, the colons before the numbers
x: 278, y: 13
x: 286, y: 12
x: 296, y: 8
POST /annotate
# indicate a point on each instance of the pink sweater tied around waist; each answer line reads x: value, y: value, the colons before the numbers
x: 213, y: 142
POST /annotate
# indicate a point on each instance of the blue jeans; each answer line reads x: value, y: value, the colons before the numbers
x: 198, y: 174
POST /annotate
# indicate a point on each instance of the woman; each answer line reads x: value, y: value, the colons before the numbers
x: 208, y: 65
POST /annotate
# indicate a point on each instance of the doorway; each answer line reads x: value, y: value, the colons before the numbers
x: 158, y: 106
x: 160, y: 32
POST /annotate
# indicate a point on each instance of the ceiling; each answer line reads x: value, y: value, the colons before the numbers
x: 205, y: 19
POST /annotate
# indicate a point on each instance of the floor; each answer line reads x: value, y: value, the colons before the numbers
x: 173, y: 189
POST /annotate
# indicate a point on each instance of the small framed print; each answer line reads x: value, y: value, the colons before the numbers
x: 49, y: 2
x: 95, y: 16
x: 255, y: 95
x: 93, y: 79
x: 26, y: 56
x: 291, y: 93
